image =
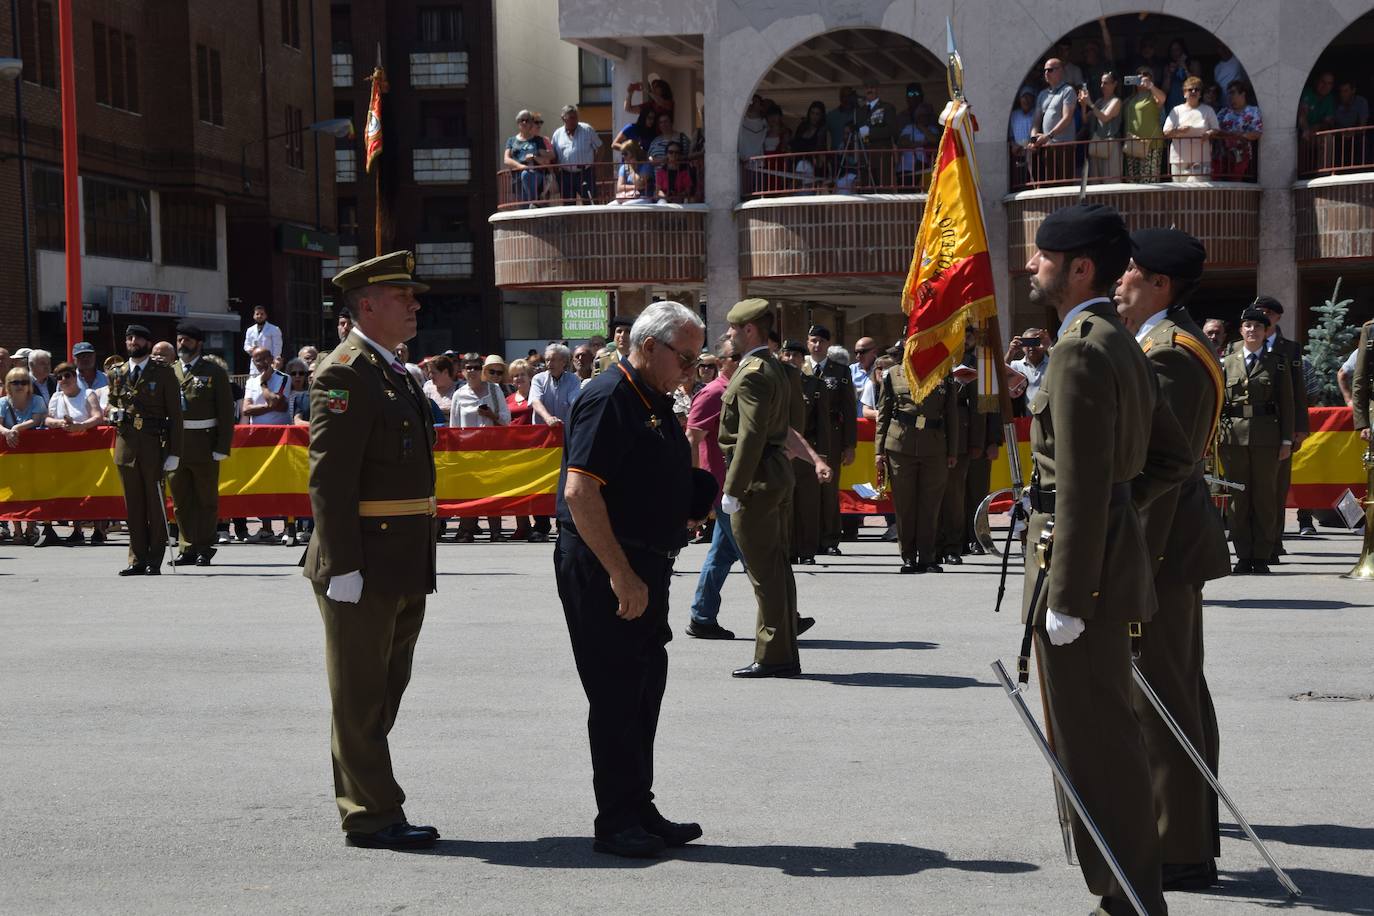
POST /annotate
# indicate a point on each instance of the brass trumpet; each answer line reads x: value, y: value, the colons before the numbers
x: 1364, y: 566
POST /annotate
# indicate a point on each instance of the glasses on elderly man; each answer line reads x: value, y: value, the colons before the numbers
x: 686, y: 360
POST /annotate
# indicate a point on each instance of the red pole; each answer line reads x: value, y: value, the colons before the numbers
x: 70, y: 190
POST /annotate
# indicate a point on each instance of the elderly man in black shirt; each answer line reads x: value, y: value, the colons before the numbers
x: 627, y: 497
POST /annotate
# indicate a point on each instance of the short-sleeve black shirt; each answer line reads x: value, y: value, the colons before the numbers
x: 624, y: 435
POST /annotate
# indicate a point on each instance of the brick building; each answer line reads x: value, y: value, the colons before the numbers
x: 188, y: 208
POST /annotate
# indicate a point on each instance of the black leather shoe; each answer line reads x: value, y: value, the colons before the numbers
x: 832, y: 551
x: 804, y: 624
x: 976, y: 549
x: 152, y: 569
x: 912, y: 568
x: 1196, y: 876
x: 1243, y: 567
x: 186, y: 559
x: 1274, y: 560
x: 808, y: 561
x: 134, y: 569
x: 760, y: 670
x: 1259, y: 568
x: 432, y: 831
x: 934, y: 568
x: 708, y: 630
x: 670, y: 833
x: 204, y: 558
x: 954, y: 559
x: 397, y: 836
x: 632, y: 843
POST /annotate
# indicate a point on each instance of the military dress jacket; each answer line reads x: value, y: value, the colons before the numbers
x: 841, y: 404
x: 371, y: 448
x: 1361, y: 387
x: 146, y: 414
x: 1182, y: 527
x: 755, y: 413
x: 1290, y: 359
x: 1259, y: 404
x: 815, y: 425
x: 924, y: 430
x: 205, y: 395
x: 1098, y: 427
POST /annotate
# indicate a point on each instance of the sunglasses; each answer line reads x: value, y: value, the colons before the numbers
x: 472, y: 367
x: 299, y: 374
x: 864, y: 350
x: 539, y: 121
x: 1191, y: 91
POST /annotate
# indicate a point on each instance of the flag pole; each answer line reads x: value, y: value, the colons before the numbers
x: 71, y: 192
x: 373, y: 134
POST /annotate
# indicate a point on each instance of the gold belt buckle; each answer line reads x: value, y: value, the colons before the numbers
x: 1133, y: 629
x: 138, y: 423
x: 921, y: 422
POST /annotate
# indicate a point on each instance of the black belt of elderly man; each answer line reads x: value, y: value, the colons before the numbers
x: 1042, y: 498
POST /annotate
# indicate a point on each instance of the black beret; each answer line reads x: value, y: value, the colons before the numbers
x: 1268, y: 302
x: 793, y: 346
x: 704, y: 491
x: 620, y: 321
x: 138, y: 330
x: 819, y: 330
x: 1169, y: 252
x: 1253, y: 313
x: 191, y: 330
x: 1080, y: 226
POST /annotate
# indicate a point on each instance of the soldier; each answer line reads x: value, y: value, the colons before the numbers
x: 1361, y: 389
x: 1290, y: 361
x: 842, y: 408
x: 208, y: 412
x: 145, y: 408
x: 815, y: 428
x: 1187, y: 548
x: 620, y: 343
x: 371, y: 561
x: 968, y: 437
x: 916, y: 445
x: 1101, y: 446
x: 1257, y: 429
x: 755, y: 415
x: 985, y: 440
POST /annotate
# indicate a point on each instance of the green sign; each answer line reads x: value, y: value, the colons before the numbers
x: 585, y: 312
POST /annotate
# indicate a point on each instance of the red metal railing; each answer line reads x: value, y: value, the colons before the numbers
x: 886, y: 171
x: 1229, y: 159
x: 1331, y: 152
x: 598, y: 183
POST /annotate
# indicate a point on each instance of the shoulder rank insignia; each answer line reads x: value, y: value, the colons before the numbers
x: 1146, y: 344
x: 338, y: 400
x: 343, y: 360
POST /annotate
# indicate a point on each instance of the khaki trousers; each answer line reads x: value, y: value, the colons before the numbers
x: 761, y: 530
x: 1253, y: 515
x: 195, y: 495
x: 918, y: 485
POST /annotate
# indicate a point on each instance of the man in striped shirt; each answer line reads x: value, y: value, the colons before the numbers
x: 575, y: 145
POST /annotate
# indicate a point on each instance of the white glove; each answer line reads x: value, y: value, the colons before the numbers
x: 217, y: 456
x: 1062, y: 628
x: 347, y: 588
x: 729, y: 504
x: 171, y: 463
x: 863, y: 131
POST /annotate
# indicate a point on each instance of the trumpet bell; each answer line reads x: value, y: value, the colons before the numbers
x: 982, y: 527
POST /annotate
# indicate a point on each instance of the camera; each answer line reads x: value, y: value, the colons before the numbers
x: 1133, y: 80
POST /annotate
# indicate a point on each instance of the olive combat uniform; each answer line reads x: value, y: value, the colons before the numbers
x: 372, y: 494
x: 1361, y: 389
x: 969, y: 434
x: 917, y: 441
x: 1256, y: 420
x: 208, y: 409
x: 841, y: 408
x: 146, y: 412
x: 1290, y: 360
x: 806, y: 507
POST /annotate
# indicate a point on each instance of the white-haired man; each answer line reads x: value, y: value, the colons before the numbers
x: 552, y: 393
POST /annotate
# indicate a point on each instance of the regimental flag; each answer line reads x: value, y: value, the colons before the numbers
x: 949, y: 285
x: 372, y: 137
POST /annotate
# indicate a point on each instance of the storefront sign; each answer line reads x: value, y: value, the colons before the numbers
x: 127, y: 301
x: 586, y: 312
x: 311, y: 243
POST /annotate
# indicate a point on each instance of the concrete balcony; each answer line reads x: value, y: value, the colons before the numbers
x: 348, y: 256
x: 441, y: 166
x: 345, y: 166
x: 600, y: 245
x: 1334, y: 218
x: 438, y: 69
x: 444, y: 260
x: 342, y: 66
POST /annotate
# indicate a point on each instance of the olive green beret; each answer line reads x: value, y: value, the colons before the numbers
x: 747, y: 310
x: 394, y: 269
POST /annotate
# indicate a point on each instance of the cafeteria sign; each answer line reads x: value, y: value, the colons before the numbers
x: 586, y: 312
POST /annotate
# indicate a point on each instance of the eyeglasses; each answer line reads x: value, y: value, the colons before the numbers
x: 472, y: 367
x: 862, y: 350
x: 298, y: 374
x: 539, y: 121
x: 686, y: 360
x: 19, y: 383
x: 1191, y: 91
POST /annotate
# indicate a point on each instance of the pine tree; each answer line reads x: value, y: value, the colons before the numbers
x: 1328, y: 344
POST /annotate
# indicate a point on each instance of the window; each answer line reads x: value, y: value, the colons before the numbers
x: 445, y: 219
x: 348, y: 220
x: 305, y: 313
x: 189, y: 236
x: 440, y: 25
x: 341, y: 27
x: 118, y: 222
x: 593, y: 78
x: 36, y: 43
x: 115, y: 60
x: 209, y: 86
x: 48, y: 216
x: 443, y: 121
x: 291, y: 23
x: 295, y: 144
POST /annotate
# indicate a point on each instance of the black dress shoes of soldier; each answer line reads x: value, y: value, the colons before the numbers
x: 708, y: 630
x: 976, y: 549
x: 831, y: 551
x: 203, y: 558
x: 1196, y: 876
x: 186, y: 559
x: 670, y: 833
x: 804, y: 624
x: 912, y: 567
x: 954, y: 559
x: 134, y: 569
x: 396, y: 836
x: 1243, y: 567
x: 760, y: 670
x: 632, y: 843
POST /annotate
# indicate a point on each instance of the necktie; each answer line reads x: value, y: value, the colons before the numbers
x: 1250, y: 362
x: 138, y: 371
x: 399, y: 367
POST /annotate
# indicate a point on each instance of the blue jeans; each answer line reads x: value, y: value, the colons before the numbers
x: 528, y: 184
x: 722, y: 555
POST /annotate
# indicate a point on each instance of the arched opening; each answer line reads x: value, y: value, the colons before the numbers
x: 853, y: 111
x: 1334, y: 133
x: 1138, y: 98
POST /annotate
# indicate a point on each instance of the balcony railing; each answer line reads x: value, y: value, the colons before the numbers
x: 1332, y: 152
x: 598, y: 183
x: 1133, y: 161
x: 888, y: 171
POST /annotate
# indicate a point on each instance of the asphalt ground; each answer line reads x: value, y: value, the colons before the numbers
x: 166, y: 746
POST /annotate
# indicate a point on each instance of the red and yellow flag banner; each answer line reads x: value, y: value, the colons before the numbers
x: 372, y: 136
x: 949, y: 285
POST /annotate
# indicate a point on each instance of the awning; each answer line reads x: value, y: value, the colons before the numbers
x: 216, y: 321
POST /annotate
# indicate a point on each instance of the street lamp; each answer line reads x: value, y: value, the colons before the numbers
x: 11, y: 68
x: 340, y: 128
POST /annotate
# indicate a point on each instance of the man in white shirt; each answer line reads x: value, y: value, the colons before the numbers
x: 262, y: 334
x: 865, y: 355
x: 264, y: 404
x: 1035, y: 363
x: 552, y: 393
x: 576, y: 144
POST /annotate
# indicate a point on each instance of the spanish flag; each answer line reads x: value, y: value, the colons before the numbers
x: 373, y: 135
x: 949, y: 285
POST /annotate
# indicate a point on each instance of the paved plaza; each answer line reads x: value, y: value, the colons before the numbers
x: 166, y: 746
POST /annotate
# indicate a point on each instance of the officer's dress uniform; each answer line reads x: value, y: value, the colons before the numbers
x: 917, y: 440
x: 841, y: 407
x: 1101, y: 446
x: 147, y: 430
x: 208, y: 411
x: 372, y: 494
x: 806, y: 501
x: 967, y: 434
x: 1362, y: 384
x: 1256, y: 420
x: 1187, y: 548
x: 755, y: 414
x: 605, y: 360
x: 623, y: 435
x: 987, y: 430
x: 1289, y: 354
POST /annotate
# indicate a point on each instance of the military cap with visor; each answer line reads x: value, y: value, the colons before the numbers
x: 394, y: 269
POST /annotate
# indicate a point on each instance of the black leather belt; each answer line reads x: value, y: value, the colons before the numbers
x: 632, y: 544
x: 1042, y: 498
x: 920, y: 422
x: 1251, y: 410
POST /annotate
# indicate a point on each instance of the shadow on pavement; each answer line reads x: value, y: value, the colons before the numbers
x: 1329, y: 836
x: 863, y: 860
x: 1322, y: 891
x: 895, y: 679
x: 864, y: 644
x: 1303, y: 604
